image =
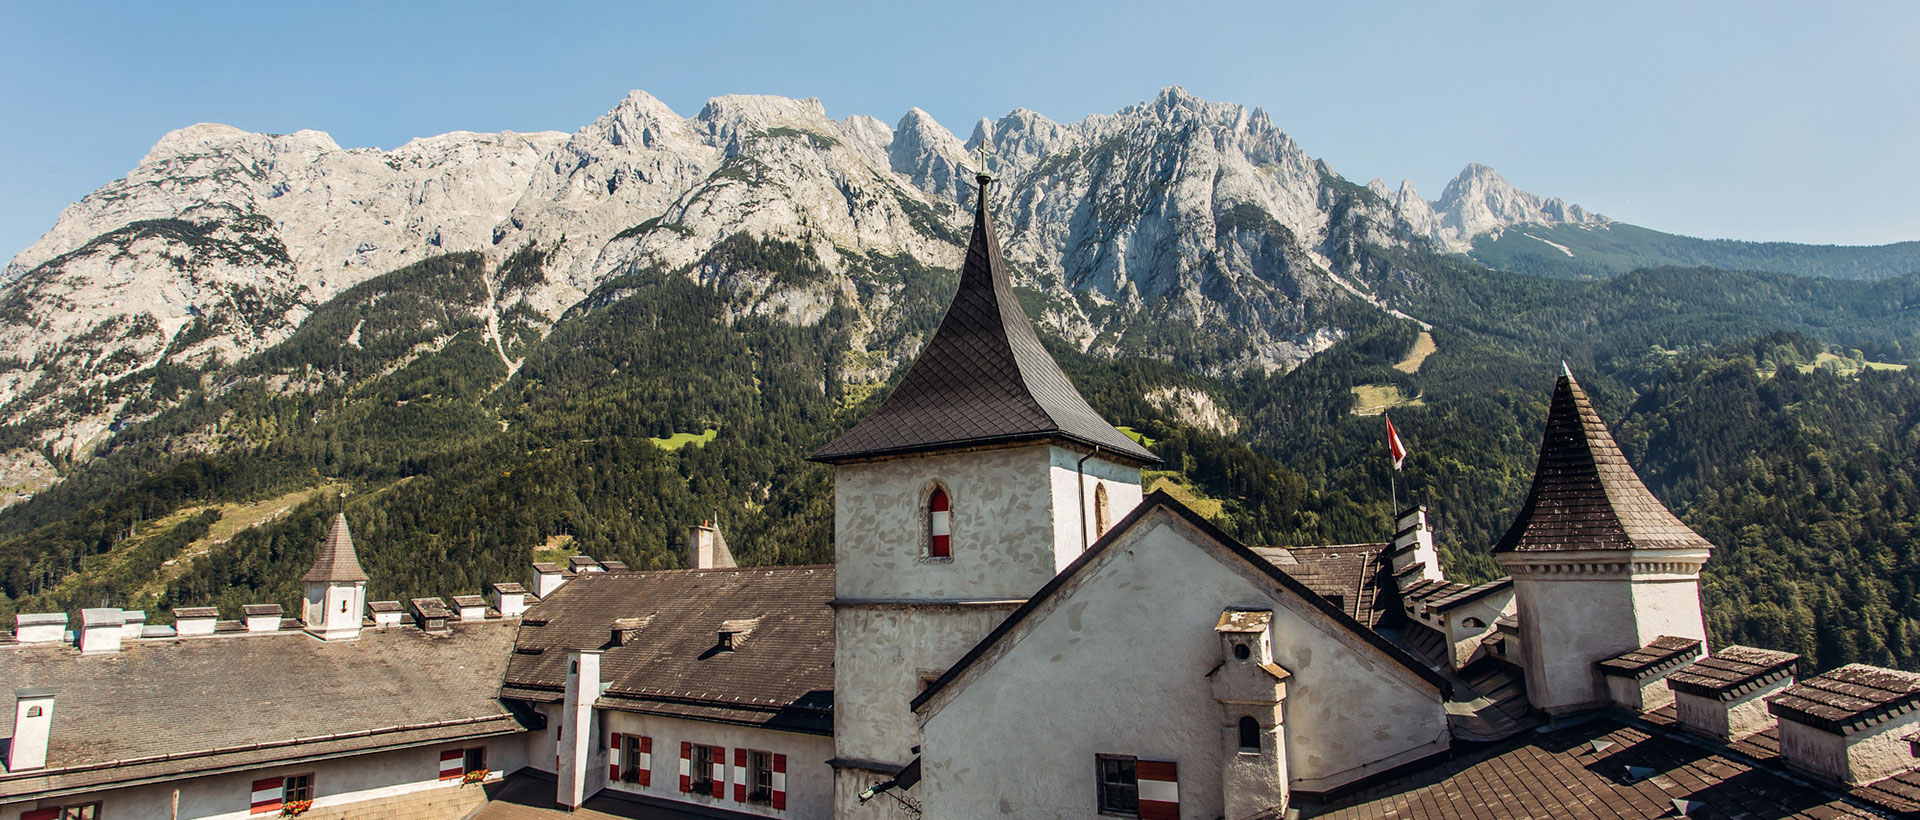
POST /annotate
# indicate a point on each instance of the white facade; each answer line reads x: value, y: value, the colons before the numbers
x: 333, y: 611
x: 1115, y: 662
x: 805, y: 785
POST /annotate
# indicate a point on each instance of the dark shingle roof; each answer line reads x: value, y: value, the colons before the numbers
x: 1347, y: 574
x: 250, y: 698
x: 780, y: 676
x: 1559, y: 774
x: 1848, y: 699
x: 258, y: 610
x: 1732, y: 671
x: 1663, y: 653
x: 984, y: 378
x: 1471, y: 594
x: 335, y: 561
x: 1585, y: 496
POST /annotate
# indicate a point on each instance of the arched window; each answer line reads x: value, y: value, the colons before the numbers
x: 1249, y: 735
x: 1102, y: 514
x: 939, y: 524
x: 34, y: 711
x: 1473, y: 623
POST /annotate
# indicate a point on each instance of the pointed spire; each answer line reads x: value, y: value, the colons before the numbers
x: 1585, y: 496
x: 983, y: 378
x: 335, y: 561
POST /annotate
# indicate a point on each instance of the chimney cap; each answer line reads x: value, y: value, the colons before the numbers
x: 32, y: 692
x: 195, y: 612
x: 614, y: 566
x: 547, y: 568
x: 39, y: 618
x: 102, y: 616
x: 384, y: 606
x: 1242, y: 620
x: 261, y: 610
x: 510, y: 589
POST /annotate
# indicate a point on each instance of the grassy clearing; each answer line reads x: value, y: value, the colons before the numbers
x: 1143, y: 439
x: 1422, y: 348
x: 556, y: 550
x: 1845, y: 366
x: 1175, y: 485
x: 1374, y: 399
x: 234, y: 518
x: 679, y: 440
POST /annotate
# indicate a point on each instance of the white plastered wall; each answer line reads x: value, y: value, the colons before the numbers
x: 1075, y: 516
x: 1863, y: 757
x: 1569, y: 620
x: 1115, y: 663
x: 809, y: 778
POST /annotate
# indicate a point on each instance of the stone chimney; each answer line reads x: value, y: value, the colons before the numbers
x: 547, y: 578
x: 1636, y: 680
x: 32, y: 728
x: 192, y: 621
x: 133, y: 625
x: 470, y: 608
x: 100, y: 630
x: 584, y: 563
x: 387, y: 613
x: 1251, y: 690
x: 1851, y: 725
x: 263, y: 617
x: 39, y: 627
x: 1723, y: 696
x: 707, y: 548
x: 431, y: 614
x: 510, y: 599
x: 577, y: 736
x: 1413, y: 546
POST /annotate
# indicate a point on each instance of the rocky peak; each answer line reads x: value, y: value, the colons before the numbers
x: 926, y: 153
x: 1479, y: 200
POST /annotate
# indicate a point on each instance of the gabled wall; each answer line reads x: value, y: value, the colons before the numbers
x: 1116, y: 663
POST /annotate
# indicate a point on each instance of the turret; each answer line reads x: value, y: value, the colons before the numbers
x: 1600, y: 566
x: 336, y: 587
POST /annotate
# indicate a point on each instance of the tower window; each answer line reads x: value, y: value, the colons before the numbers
x: 939, y: 524
x: 1249, y: 735
x: 1241, y: 652
x: 1102, y: 513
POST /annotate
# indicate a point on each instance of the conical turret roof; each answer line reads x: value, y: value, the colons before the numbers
x: 335, y: 561
x: 983, y: 378
x: 1585, y: 496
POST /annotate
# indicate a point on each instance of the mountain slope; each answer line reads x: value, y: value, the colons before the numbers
x: 1599, y: 250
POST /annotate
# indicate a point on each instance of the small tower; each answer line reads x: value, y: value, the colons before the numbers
x: 982, y: 475
x: 1599, y: 565
x: 1252, y: 692
x: 336, y: 587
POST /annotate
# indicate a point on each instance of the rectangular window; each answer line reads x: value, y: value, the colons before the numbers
x: 83, y: 811
x: 1119, y: 786
x: 702, y: 769
x: 760, y: 777
x: 475, y: 760
x: 298, y: 787
x: 630, y: 759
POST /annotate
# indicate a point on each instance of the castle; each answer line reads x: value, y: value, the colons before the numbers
x: 1011, y: 628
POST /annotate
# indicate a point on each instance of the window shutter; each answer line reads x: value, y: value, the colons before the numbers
x: 267, y: 794
x: 939, y: 525
x: 686, y: 766
x: 720, y: 772
x: 40, y: 814
x: 739, y: 775
x: 645, y: 763
x: 1159, y: 789
x: 613, y: 758
x: 779, y: 781
x: 452, y: 764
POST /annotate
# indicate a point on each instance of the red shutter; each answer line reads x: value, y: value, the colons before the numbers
x: 779, y: 781
x: 686, y: 766
x: 1159, y: 789
x: 739, y: 775
x: 267, y: 794
x: 644, y: 766
x: 939, y: 525
x: 720, y: 772
x: 613, y: 758
x: 40, y: 814
x: 453, y: 764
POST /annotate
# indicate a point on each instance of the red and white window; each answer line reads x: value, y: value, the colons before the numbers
x: 271, y: 794
x: 1131, y: 787
x: 630, y: 759
x: 939, y: 524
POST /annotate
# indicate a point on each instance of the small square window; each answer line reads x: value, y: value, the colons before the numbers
x: 83, y: 811
x: 1119, y: 786
x: 298, y: 787
x: 760, y: 777
x: 474, y: 760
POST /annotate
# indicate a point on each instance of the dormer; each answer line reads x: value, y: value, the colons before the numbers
x: 733, y: 633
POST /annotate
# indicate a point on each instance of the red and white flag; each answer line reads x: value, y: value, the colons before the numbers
x: 1395, y: 447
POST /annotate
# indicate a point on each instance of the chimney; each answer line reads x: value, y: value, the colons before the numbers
x: 191, y: 621
x: 576, y: 716
x: 547, y: 578
x: 510, y: 599
x: 1636, y: 680
x: 626, y: 631
x: 1723, y: 695
x: 431, y: 614
x: 263, y: 617
x: 100, y: 630
x: 1413, y: 546
x: 707, y: 548
x: 470, y: 607
x: 39, y: 627
x: 386, y: 613
x: 584, y: 563
x: 614, y: 566
x: 136, y: 622
x: 32, y: 728
x: 1852, y: 725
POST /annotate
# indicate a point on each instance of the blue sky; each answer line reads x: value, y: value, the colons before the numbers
x: 1744, y: 120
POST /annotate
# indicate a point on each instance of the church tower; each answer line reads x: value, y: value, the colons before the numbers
x: 336, y: 587
x: 1599, y: 565
x: 982, y: 475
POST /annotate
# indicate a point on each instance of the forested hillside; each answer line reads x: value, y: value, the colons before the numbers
x: 1597, y: 251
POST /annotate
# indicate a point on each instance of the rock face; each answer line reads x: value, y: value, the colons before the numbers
x: 1177, y: 227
